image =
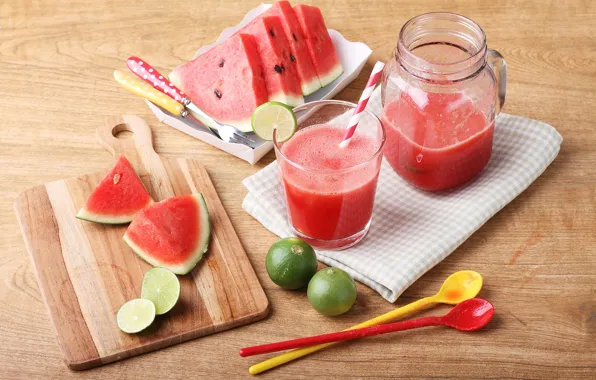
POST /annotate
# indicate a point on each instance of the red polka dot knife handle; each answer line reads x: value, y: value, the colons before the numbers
x: 146, y: 72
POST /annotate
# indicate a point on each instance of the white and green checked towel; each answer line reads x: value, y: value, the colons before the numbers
x: 412, y: 231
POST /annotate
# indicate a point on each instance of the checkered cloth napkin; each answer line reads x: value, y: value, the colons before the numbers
x: 412, y: 230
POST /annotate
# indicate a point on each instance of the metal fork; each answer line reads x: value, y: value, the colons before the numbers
x: 225, y: 132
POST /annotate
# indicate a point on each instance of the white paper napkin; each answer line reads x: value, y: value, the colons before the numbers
x: 412, y: 230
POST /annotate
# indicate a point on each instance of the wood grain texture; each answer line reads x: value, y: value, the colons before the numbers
x: 56, y: 62
x: 86, y: 271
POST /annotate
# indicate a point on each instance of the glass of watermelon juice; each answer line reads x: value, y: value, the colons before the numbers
x: 330, y: 191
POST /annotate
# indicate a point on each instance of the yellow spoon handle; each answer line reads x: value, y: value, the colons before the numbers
x: 146, y: 91
x: 387, y: 317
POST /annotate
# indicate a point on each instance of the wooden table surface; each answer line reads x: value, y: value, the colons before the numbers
x: 537, y: 256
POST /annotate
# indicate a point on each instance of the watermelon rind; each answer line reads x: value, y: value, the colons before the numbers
x: 311, y: 86
x: 332, y: 75
x: 287, y: 99
x: 83, y: 214
x: 241, y: 125
x: 195, y: 256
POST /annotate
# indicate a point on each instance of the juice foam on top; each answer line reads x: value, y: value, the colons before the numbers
x: 317, y: 147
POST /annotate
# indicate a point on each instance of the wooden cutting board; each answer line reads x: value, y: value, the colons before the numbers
x: 86, y: 272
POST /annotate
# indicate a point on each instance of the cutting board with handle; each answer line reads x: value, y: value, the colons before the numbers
x: 86, y: 271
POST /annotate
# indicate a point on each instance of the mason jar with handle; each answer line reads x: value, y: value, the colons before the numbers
x: 441, y: 94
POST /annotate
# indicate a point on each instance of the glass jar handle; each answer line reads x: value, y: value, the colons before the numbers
x: 499, y: 67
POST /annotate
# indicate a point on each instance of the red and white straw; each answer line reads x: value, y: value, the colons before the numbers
x: 368, y: 90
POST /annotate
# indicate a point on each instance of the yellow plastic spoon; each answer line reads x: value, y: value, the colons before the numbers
x: 458, y: 287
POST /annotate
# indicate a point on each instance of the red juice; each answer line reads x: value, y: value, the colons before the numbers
x: 331, y: 196
x: 436, y: 141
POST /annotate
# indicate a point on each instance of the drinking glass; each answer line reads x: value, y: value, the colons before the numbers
x: 330, y: 191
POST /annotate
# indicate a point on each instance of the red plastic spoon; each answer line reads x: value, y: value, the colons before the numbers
x: 469, y: 315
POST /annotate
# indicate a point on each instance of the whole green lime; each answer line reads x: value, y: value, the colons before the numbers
x: 332, y: 292
x: 291, y: 263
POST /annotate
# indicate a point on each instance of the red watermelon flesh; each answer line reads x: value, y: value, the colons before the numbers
x: 118, y: 198
x: 172, y: 234
x: 309, y: 81
x: 320, y: 45
x: 226, y: 82
x: 281, y: 77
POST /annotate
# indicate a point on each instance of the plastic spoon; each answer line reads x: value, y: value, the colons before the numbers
x: 469, y: 315
x: 458, y: 287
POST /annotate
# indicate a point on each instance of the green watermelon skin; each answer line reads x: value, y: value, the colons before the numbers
x: 226, y: 82
x: 117, y: 198
x: 281, y: 77
x: 172, y: 234
x: 320, y: 45
x: 309, y: 80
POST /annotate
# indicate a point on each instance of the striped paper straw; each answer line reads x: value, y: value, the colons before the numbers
x: 368, y: 90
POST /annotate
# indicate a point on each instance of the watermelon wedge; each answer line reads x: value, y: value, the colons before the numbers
x: 320, y: 46
x: 118, y: 198
x: 281, y: 78
x: 226, y: 82
x: 309, y: 81
x: 172, y: 234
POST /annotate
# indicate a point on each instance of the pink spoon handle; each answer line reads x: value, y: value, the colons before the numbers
x: 146, y: 72
x: 342, y: 335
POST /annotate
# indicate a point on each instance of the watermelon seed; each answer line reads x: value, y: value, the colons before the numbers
x: 116, y: 178
x: 294, y: 36
x: 292, y: 58
x: 221, y: 63
x: 271, y: 32
x: 218, y: 94
x: 278, y: 69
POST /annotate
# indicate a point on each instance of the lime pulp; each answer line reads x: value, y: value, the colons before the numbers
x: 135, y: 315
x: 274, y: 116
x: 161, y: 287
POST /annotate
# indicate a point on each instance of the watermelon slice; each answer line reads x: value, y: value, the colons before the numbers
x: 309, y: 81
x: 118, y: 198
x: 226, y: 82
x: 172, y: 234
x: 320, y: 46
x: 281, y: 77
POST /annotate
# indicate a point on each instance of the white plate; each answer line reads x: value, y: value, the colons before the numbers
x: 352, y: 55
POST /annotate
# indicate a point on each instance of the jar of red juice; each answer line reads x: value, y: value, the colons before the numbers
x: 441, y: 94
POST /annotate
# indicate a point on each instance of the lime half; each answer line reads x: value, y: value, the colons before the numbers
x: 136, y: 315
x: 161, y: 287
x: 271, y: 116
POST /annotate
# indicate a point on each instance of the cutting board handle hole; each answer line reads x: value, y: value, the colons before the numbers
x: 122, y: 131
x: 125, y: 134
